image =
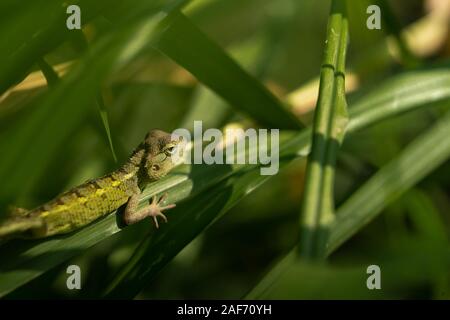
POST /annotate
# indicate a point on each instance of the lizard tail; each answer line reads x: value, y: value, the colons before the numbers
x: 17, y: 225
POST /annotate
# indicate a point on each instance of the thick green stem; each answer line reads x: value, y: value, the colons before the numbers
x: 329, y: 124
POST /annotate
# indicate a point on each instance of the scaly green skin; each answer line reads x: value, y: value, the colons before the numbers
x: 96, y: 198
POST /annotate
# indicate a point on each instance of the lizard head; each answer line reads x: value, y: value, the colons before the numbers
x: 162, y: 149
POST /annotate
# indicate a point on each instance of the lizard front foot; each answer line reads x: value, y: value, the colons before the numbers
x: 155, y: 209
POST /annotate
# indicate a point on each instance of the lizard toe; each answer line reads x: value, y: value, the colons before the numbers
x: 155, y: 220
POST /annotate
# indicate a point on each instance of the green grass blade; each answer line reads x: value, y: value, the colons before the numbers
x: 401, y: 93
x: 421, y: 157
x: 47, y: 70
x: 425, y: 215
x: 104, y: 116
x: 330, y: 120
x: 155, y: 251
x: 188, y: 46
x: 32, y: 35
x: 412, y: 264
x: 53, y: 117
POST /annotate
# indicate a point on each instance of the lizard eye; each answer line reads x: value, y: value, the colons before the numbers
x: 155, y: 167
x: 170, y: 150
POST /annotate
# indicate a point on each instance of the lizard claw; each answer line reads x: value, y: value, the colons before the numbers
x: 155, y: 209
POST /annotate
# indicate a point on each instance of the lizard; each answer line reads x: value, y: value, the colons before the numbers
x: 81, y: 205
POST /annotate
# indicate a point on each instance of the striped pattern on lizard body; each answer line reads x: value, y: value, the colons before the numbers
x: 85, y: 203
x: 96, y: 198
